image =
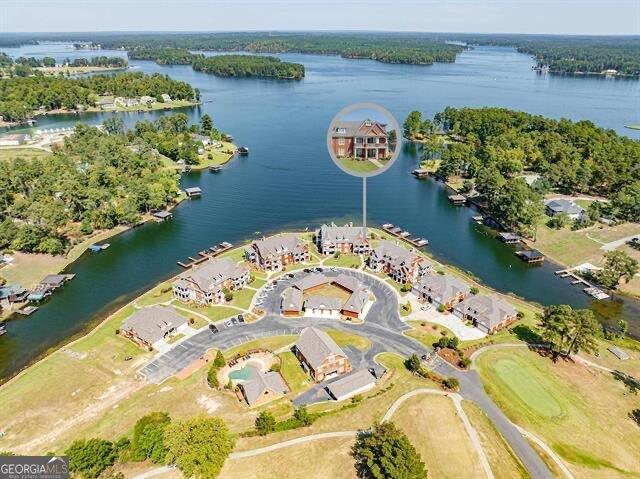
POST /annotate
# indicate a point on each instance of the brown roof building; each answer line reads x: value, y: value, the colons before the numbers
x: 320, y: 355
x: 360, y: 139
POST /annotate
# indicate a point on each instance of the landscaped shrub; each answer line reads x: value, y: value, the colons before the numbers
x: 228, y: 295
x: 448, y: 342
x: 405, y: 288
x: 265, y: 423
x: 212, y: 376
x: 520, y: 315
x: 89, y: 458
x: 441, y: 308
x: 148, y: 437
x: 275, y: 368
x: 451, y: 383
x: 219, y: 360
x: 357, y: 398
x: 302, y: 415
x: 412, y: 363
x: 474, y: 290
x: 464, y: 362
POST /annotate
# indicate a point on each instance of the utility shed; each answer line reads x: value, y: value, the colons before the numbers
x: 354, y: 383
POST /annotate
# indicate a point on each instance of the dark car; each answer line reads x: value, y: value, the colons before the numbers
x: 319, y: 270
x: 307, y: 270
x: 213, y: 329
x: 291, y: 275
x: 241, y: 318
x: 234, y: 320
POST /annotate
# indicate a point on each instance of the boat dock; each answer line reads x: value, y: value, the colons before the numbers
x: 420, y: 173
x: 458, y: 200
x: 27, y: 310
x: 204, y: 255
x: 404, y: 235
x: 589, y: 288
x: 531, y: 256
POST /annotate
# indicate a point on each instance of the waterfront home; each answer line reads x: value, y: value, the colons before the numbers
x: 320, y: 356
x: 357, y: 382
x: 126, y: 102
x: 402, y: 265
x: 342, y: 239
x: 441, y: 289
x: 204, y: 139
x: 318, y: 305
x: 487, y: 313
x: 149, y: 327
x: 105, y: 103
x: 260, y: 388
x: 276, y: 252
x: 206, y: 283
x: 360, y: 139
x: 147, y: 100
x: 562, y: 206
x: 165, y: 98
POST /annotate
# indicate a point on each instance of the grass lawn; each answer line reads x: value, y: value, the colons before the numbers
x: 160, y: 294
x: 214, y: 313
x: 327, y: 290
x: 344, y: 260
x: 293, y: 373
x: 22, y: 152
x: 427, y: 334
x: 357, y: 166
x: 219, y: 156
x: 272, y: 344
x: 551, y: 399
x: 342, y: 338
x: 504, y: 463
x: 436, y: 431
x: 326, y: 458
x: 242, y: 298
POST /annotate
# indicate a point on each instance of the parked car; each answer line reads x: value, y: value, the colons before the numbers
x: 319, y: 270
x: 241, y: 318
x: 213, y: 329
x: 307, y: 270
x: 228, y: 324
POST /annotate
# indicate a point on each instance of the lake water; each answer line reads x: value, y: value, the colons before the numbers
x: 289, y: 181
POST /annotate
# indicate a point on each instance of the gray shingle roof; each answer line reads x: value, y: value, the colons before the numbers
x: 316, y: 345
x: 443, y: 287
x: 292, y: 299
x: 488, y: 310
x: 350, y: 383
x: 562, y: 205
x: 210, y: 275
x: 340, y: 234
x: 394, y: 254
x: 278, y: 245
x: 151, y: 324
x: 322, y: 302
x: 259, y: 383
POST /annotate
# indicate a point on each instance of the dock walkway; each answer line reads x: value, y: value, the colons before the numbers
x: 204, y: 255
x: 404, y: 235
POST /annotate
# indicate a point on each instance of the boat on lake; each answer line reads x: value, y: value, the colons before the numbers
x: 243, y: 150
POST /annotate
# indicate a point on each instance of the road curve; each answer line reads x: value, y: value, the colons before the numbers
x: 292, y: 442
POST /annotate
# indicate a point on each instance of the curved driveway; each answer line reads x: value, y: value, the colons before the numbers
x: 383, y: 327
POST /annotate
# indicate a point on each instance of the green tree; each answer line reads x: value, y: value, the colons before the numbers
x: 412, y: 363
x: 219, y: 361
x: 114, y: 125
x: 265, y: 423
x: 212, y: 376
x: 386, y: 452
x: 302, y: 415
x: 198, y: 446
x: 569, y: 331
x: 89, y: 458
x: 618, y: 265
x: 148, y: 437
x: 412, y: 124
x: 623, y: 327
x: 206, y: 124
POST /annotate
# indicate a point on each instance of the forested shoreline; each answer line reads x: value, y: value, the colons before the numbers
x: 224, y: 65
x: 493, y: 148
x: 21, y: 97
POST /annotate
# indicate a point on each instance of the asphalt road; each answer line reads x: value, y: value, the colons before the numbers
x: 383, y: 327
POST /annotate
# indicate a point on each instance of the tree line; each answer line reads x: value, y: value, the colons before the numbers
x: 223, y: 65
x: 493, y: 147
x: 389, y: 48
x: 95, y: 180
x: 21, y: 97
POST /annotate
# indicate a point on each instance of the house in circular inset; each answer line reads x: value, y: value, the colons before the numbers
x: 311, y: 296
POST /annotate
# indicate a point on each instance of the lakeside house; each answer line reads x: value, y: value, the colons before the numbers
x: 342, y: 239
x: 14, y: 139
x: 166, y: 98
x: 402, y: 265
x: 487, y: 313
x: 360, y: 139
x: 260, y: 388
x: 320, y: 356
x: 147, y: 100
x: 126, y: 102
x: 149, y: 327
x: 441, y: 289
x: 206, y: 283
x: 276, y: 252
x: 563, y: 206
x: 105, y: 103
x: 204, y: 139
x: 357, y: 382
x: 12, y: 293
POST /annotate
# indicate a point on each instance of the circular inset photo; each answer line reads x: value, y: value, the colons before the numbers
x: 363, y: 139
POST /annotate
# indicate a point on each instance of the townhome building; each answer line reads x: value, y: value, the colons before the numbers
x: 206, y: 283
x: 360, y: 139
x: 276, y: 252
x: 441, y: 289
x: 331, y: 239
x: 487, y: 313
x: 399, y: 263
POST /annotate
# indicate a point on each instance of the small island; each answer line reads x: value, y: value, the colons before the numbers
x: 31, y: 66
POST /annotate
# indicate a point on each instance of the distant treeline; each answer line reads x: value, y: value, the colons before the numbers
x: 496, y: 146
x: 223, y: 65
x: 101, y: 61
x: 20, y: 97
x: 570, y: 54
x: 388, y: 48
x: 95, y: 181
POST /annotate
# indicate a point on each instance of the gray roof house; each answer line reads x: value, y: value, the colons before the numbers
x: 320, y: 355
x: 400, y: 263
x: 149, y: 325
x: 203, y: 282
x: 487, y: 313
x: 291, y: 301
x: 442, y: 289
x: 261, y: 387
x: 277, y: 251
x: 323, y: 302
x: 561, y: 205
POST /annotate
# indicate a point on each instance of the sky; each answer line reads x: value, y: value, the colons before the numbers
x: 597, y: 17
